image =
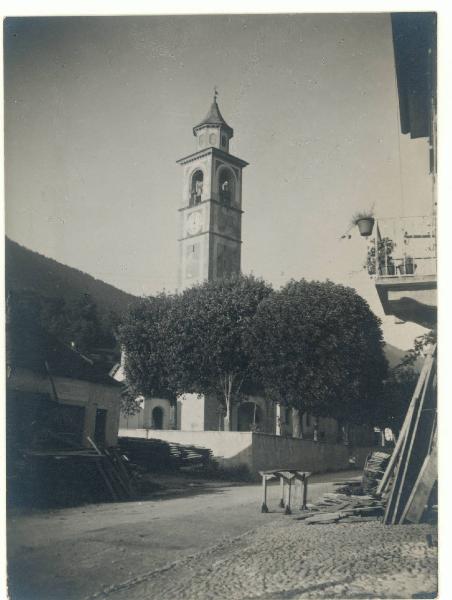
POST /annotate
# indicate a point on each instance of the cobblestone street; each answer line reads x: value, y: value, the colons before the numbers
x: 295, y: 560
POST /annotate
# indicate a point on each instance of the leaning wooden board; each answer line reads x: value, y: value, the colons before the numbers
x: 422, y: 488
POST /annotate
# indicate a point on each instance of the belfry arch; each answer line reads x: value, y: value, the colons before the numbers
x: 196, y: 187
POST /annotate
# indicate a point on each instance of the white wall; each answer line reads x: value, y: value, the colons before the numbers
x: 261, y: 451
x: 191, y: 408
x: 230, y: 448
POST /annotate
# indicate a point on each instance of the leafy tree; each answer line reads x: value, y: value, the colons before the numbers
x: 195, y: 342
x: 84, y: 324
x: 214, y: 322
x: 396, y: 395
x: 54, y: 317
x: 318, y: 348
x: 419, y: 347
x: 148, y: 335
x: 78, y: 322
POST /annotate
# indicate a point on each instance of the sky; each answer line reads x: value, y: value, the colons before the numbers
x: 98, y: 110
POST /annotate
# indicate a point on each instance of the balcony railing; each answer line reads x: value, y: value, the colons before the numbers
x: 403, y: 247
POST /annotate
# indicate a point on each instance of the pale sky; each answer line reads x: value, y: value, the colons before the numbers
x: 98, y: 110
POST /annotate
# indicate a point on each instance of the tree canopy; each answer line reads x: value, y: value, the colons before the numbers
x: 147, y: 336
x: 398, y: 390
x: 76, y: 322
x: 194, y: 342
x: 319, y: 349
x: 316, y: 347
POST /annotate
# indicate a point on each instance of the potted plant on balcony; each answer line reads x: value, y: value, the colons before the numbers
x: 365, y: 222
x: 407, y: 267
x: 384, y: 261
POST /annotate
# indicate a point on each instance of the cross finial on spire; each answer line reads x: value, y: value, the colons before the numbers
x: 215, y: 93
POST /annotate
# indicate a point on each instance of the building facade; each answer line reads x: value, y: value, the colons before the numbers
x: 210, y: 215
x: 210, y: 238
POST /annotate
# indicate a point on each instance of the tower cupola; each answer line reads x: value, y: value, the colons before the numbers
x: 213, y: 131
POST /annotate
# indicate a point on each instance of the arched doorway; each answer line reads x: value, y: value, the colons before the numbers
x: 196, y: 187
x: 157, y: 418
x: 249, y: 417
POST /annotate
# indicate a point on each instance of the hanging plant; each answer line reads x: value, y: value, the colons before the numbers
x: 365, y: 222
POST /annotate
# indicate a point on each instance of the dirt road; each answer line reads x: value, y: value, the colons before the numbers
x: 70, y: 554
x: 212, y: 544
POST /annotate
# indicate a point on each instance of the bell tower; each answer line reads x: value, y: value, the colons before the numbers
x: 210, y: 214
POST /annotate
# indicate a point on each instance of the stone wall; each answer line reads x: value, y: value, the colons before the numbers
x: 273, y: 452
x: 261, y: 451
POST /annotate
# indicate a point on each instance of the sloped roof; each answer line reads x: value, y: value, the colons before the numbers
x: 414, y: 36
x: 214, y: 117
x: 33, y: 349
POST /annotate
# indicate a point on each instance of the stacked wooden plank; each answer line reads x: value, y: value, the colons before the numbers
x: 190, y: 456
x: 374, y: 469
x: 335, y: 507
x: 158, y: 455
x: 67, y: 477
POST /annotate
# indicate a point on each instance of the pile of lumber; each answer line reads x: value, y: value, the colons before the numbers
x: 112, y: 467
x: 68, y: 477
x: 374, y: 469
x: 158, y: 455
x: 190, y: 456
x: 334, y: 507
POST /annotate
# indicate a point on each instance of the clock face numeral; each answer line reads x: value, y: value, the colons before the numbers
x: 194, y: 223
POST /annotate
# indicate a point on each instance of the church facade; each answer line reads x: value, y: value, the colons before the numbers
x: 210, y: 230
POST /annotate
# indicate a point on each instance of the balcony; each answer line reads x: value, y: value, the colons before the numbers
x: 402, y: 260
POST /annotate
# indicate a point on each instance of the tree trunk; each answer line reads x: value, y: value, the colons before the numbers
x: 296, y: 423
x: 227, y: 423
x: 278, y: 415
x: 228, y: 401
x: 227, y: 416
x: 346, y: 430
x: 316, y: 429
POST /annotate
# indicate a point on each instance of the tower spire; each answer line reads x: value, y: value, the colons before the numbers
x: 214, y: 117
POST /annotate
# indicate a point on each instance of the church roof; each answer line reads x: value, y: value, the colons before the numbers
x: 214, y: 117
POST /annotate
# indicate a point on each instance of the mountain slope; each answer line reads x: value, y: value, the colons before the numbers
x: 394, y: 355
x: 26, y: 270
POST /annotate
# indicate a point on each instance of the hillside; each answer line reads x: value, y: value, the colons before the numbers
x: 30, y: 271
x: 394, y: 355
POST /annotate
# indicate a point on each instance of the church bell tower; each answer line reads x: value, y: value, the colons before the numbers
x: 211, y: 209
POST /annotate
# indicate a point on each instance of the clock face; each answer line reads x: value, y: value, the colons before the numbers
x: 194, y: 223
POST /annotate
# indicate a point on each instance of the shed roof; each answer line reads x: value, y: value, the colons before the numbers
x: 33, y: 349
